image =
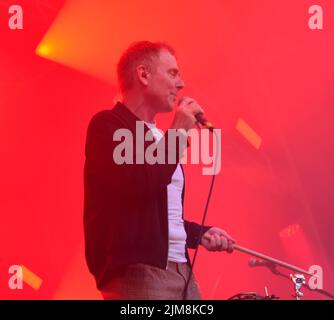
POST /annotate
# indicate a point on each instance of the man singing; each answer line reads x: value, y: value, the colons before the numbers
x: 136, y: 238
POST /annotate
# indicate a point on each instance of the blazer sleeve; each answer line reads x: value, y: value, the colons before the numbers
x: 194, y: 233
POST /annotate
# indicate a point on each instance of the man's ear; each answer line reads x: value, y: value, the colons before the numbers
x: 143, y: 74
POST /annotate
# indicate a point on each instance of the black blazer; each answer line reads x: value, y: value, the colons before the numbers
x: 125, y: 206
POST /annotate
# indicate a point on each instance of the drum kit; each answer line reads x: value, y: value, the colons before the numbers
x: 298, y: 279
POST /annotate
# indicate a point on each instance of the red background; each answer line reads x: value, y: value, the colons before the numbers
x: 256, y: 60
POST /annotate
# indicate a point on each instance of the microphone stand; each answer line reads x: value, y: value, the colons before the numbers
x: 272, y: 266
x: 272, y: 260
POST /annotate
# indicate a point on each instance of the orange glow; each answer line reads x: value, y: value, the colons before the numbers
x: 249, y: 134
x: 44, y: 50
x: 31, y: 278
x: 89, y: 36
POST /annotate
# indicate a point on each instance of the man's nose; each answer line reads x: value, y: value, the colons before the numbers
x: 180, y: 84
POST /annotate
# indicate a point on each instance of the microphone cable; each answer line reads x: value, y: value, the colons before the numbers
x: 204, y: 214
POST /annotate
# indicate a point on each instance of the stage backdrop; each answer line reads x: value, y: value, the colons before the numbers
x: 262, y: 70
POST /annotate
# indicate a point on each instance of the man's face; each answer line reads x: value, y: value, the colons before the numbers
x: 165, y: 82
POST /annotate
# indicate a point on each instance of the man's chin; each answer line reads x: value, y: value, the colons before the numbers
x: 167, y: 108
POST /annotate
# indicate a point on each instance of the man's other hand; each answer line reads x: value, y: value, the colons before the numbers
x: 216, y: 239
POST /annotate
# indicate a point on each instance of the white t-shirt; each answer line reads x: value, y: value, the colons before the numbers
x: 176, y: 233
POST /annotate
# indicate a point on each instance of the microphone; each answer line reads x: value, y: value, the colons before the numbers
x: 252, y: 262
x: 200, y: 118
x: 203, y: 121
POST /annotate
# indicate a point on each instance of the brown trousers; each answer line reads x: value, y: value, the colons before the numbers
x: 144, y: 282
